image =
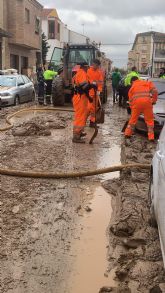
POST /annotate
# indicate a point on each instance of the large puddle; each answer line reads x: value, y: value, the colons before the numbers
x: 110, y: 157
x: 89, y: 271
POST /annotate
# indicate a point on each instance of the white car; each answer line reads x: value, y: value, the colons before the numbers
x: 15, y: 89
x: 157, y: 189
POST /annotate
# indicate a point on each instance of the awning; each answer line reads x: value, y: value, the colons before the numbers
x: 4, y: 33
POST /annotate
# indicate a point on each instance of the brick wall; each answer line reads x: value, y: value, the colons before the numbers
x: 24, y: 33
x: 24, y: 42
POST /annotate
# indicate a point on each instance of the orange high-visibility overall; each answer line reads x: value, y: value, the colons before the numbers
x: 80, y: 104
x: 142, y: 96
x: 97, y: 77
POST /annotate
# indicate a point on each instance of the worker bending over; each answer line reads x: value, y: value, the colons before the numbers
x: 95, y: 76
x: 80, y: 102
x: 142, y: 95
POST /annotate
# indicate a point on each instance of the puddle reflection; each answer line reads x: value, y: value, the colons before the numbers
x: 91, y: 249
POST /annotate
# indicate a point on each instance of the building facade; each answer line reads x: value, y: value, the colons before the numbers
x: 57, y: 33
x: 148, y: 53
x: 22, y: 20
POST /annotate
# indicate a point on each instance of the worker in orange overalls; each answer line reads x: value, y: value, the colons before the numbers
x: 80, y: 103
x: 142, y: 95
x: 95, y: 76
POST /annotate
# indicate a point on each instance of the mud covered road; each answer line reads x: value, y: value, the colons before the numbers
x: 45, y: 223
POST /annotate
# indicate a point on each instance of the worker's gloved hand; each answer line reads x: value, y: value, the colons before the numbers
x: 90, y: 99
x: 94, y: 85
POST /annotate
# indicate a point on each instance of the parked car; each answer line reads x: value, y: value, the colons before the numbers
x: 158, y: 109
x: 157, y: 189
x: 15, y: 89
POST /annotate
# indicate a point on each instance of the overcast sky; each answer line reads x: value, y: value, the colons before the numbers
x: 111, y: 21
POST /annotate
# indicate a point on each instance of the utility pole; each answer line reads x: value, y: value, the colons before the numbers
x: 153, y: 56
x: 83, y: 28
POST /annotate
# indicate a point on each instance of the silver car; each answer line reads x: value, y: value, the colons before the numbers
x: 157, y: 189
x: 15, y: 89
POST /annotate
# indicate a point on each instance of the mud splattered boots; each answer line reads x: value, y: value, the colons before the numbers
x: 77, y: 138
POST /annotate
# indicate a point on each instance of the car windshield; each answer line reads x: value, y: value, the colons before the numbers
x: 161, y: 88
x: 9, y: 81
x: 81, y: 55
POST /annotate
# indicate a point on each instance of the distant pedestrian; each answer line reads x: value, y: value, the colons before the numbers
x: 95, y: 75
x: 41, y: 85
x: 127, y: 81
x: 49, y: 74
x: 162, y: 73
x: 116, y: 77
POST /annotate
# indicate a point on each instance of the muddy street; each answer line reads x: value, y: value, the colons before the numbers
x: 75, y: 236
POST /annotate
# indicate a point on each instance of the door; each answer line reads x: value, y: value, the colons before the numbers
x: 22, y: 90
x: 28, y: 87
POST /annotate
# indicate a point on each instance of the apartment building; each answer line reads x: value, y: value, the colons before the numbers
x: 57, y: 33
x: 148, y: 52
x: 3, y: 32
x: 22, y: 20
x: 51, y: 28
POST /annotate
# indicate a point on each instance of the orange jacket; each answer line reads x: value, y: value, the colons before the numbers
x: 142, y: 89
x: 80, y: 77
x: 95, y: 76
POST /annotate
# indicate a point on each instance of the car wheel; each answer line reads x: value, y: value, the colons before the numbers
x: 152, y: 220
x: 16, y: 101
x: 33, y: 97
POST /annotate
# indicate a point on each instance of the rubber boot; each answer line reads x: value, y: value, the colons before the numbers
x: 41, y: 100
x: 48, y: 100
x: 77, y: 138
x: 83, y: 134
x: 151, y: 136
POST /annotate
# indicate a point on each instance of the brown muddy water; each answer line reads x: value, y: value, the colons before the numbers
x: 89, y: 271
x: 90, y: 248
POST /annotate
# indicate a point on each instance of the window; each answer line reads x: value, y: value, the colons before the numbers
x: 37, y: 25
x: 26, y: 79
x: 20, y: 81
x: 7, y: 81
x: 27, y: 15
x: 14, y: 61
x: 80, y: 55
x: 51, y: 29
x: 144, y: 39
x: 24, y: 62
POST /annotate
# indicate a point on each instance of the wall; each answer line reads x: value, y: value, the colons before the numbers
x: 53, y: 44
x: 23, y: 33
x: 1, y: 14
x: 76, y: 38
x: 64, y: 34
x: 24, y: 41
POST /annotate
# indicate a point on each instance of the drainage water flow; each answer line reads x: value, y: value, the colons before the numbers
x: 89, y: 272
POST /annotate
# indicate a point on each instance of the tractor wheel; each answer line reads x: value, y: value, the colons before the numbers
x: 58, y: 96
